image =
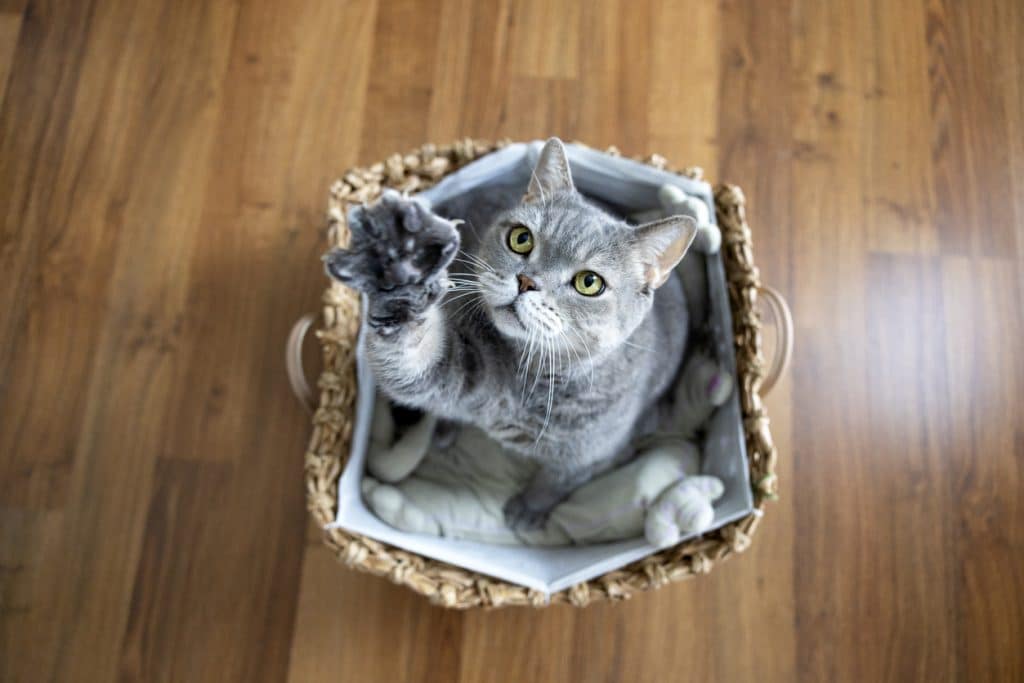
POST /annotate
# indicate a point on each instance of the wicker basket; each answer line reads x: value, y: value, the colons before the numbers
x: 453, y: 586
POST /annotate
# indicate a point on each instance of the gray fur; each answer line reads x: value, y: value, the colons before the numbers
x: 555, y: 376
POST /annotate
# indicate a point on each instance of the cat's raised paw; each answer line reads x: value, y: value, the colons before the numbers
x: 396, y: 242
x: 397, y: 255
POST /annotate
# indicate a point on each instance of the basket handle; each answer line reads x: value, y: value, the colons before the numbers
x: 293, y: 362
x: 782, y: 319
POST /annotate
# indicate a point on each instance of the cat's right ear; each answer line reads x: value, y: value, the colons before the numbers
x: 551, y: 174
x: 662, y: 245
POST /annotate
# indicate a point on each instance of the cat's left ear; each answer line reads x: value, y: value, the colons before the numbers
x: 662, y: 245
x: 551, y: 174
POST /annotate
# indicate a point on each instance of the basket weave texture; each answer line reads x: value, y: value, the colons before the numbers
x: 453, y: 586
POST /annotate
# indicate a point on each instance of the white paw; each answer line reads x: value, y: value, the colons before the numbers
x: 709, y: 237
x: 683, y: 508
x: 392, y: 506
x: 396, y: 462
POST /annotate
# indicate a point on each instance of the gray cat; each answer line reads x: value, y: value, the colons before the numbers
x: 546, y: 333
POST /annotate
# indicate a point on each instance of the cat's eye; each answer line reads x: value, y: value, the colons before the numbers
x: 588, y: 283
x: 520, y: 240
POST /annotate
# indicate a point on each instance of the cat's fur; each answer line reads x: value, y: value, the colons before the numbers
x: 561, y: 378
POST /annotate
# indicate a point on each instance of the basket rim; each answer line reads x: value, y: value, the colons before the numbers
x: 454, y: 586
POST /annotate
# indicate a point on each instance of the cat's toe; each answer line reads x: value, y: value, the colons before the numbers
x: 412, y: 244
x: 350, y: 268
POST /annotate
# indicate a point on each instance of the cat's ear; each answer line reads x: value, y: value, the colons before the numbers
x: 551, y: 174
x: 662, y: 245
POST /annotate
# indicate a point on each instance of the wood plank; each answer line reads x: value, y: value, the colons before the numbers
x: 613, y: 81
x: 354, y: 627
x: 10, y: 29
x: 232, y: 607
x: 754, y: 126
x: 969, y: 81
x: 452, y: 64
x: 29, y: 542
x: 545, y: 39
x: 44, y: 251
x: 538, y: 108
x: 916, y: 578
x: 159, y: 629
x: 401, y: 78
x: 1009, y: 63
x: 897, y: 176
x: 521, y: 644
x: 985, y: 451
x: 483, y: 111
x: 828, y: 249
x: 685, y: 81
x: 160, y: 141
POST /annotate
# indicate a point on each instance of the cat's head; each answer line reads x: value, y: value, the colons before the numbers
x: 564, y: 273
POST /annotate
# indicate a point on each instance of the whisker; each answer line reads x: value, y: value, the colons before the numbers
x: 551, y: 395
x: 522, y: 354
x: 568, y: 346
x: 472, y: 278
x: 469, y: 224
x: 638, y: 346
x: 474, y: 260
x: 458, y: 294
x: 472, y: 302
x: 540, y: 366
x: 590, y: 356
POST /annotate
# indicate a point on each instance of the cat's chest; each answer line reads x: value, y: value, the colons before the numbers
x: 537, y: 408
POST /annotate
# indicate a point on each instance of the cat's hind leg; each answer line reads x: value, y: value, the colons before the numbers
x: 530, y: 508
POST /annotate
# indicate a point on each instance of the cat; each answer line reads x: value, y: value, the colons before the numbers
x: 555, y: 330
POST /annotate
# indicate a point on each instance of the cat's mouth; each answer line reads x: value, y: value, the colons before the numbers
x: 533, y: 318
x: 522, y: 316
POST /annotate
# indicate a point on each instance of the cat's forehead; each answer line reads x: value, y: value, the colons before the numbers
x: 573, y: 229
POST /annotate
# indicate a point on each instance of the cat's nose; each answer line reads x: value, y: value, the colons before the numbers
x: 526, y: 284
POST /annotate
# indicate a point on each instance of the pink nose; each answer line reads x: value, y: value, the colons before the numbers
x: 526, y: 284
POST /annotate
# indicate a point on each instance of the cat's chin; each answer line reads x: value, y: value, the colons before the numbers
x: 518, y: 325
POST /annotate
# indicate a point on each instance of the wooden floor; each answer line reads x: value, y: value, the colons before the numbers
x: 163, y: 176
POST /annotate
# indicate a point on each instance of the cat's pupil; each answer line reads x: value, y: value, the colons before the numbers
x: 588, y: 280
x: 522, y: 238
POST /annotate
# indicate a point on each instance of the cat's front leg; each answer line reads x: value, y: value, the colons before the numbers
x: 398, y: 255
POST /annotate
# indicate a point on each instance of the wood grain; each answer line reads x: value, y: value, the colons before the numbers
x: 163, y: 173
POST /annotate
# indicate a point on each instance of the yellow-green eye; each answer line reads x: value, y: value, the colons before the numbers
x: 588, y: 283
x: 520, y: 240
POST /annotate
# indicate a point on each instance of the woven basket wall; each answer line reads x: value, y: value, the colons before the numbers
x: 453, y: 586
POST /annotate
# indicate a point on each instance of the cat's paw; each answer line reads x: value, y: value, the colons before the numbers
x: 398, y: 255
x: 683, y: 508
x: 520, y: 515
